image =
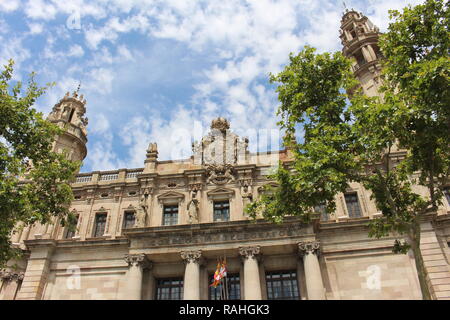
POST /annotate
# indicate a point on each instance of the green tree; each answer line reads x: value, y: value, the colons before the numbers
x: 34, y: 180
x: 350, y: 137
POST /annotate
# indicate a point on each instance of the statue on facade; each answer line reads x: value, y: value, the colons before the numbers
x: 152, y: 147
x: 228, y: 175
x: 141, y: 214
x: 212, y: 175
x: 246, y: 193
x: 65, y: 113
x: 193, y: 209
x: 82, y: 123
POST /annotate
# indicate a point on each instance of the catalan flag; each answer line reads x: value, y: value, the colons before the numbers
x: 221, y: 272
x: 216, y: 277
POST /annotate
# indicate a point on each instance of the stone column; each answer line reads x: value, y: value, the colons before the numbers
x: 366, y: 54
x: 192, y: 274
x: 372, y: 52
x: 137, y: 263
x: 309, y: 251
x: 252, y: 282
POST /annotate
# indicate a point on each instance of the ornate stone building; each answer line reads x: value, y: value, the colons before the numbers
x: 156, y: 232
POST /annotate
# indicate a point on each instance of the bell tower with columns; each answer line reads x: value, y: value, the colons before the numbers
x: 69, y: 115
x: 359, y: 37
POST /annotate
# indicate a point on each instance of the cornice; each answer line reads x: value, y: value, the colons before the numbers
x: 217, y: 233
x: 442, y: 220
x: 121, y: 241
x: 36, y: 243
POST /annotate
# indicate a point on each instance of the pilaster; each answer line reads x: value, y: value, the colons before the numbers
x: 37, y: 270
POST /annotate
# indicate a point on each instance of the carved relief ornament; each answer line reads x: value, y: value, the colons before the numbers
x: 220, y: 174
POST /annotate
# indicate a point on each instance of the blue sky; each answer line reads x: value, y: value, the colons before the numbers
x: 161, y: 70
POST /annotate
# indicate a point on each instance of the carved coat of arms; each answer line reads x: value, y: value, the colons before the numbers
x: 220, y: 174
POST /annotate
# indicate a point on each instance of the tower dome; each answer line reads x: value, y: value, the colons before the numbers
x: 69, y: 115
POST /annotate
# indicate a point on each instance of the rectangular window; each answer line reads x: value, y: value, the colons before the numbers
x: 128, y: 219
x: 169, y: 289
x: 321, y: 208
x: 282, y: 285
x: 69, y: 233
x: 353, y: 207
x: 222, y: 210
x: 100, y: 224
x: 170, y: 215
x: 229, y: 290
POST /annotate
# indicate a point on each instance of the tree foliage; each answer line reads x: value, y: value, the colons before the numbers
x: 34, y: 180
x: 350, y: 137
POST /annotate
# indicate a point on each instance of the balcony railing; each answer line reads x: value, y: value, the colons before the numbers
x: 83, y: 179
x: 134, y: 174
x: 109, y: 177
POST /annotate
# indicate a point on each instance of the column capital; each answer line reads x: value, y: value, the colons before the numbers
x: 193, y: 256
x: 249, y: 252
x: 308, y: 247
x: 138, y: 260
x: 11, y: 276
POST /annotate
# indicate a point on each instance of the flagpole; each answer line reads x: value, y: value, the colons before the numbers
x: 226, y: 289
x: 226, y: 279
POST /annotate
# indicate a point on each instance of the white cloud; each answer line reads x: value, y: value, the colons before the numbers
x: 125, y: 55
x: 36, y: 28
x: 9, y: 5
x: 174, y: 136
x: 4, y: 27
x: 100, y: 80
x: 233, y: 44
x: 76, y: 51
x: 114, y: 26
x: 94, y: 36
x: 102, y: 125
x: 40, y: 9
x: 13, y: 48
x: 377, y: 10
x: 103, y: 157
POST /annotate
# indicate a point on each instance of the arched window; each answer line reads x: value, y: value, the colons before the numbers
x: 71, y: 115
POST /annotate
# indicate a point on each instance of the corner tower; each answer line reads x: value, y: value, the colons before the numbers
x: 359, y: 37
x: 68, y: 114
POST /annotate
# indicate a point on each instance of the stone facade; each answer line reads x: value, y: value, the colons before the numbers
x: 156, y: 232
